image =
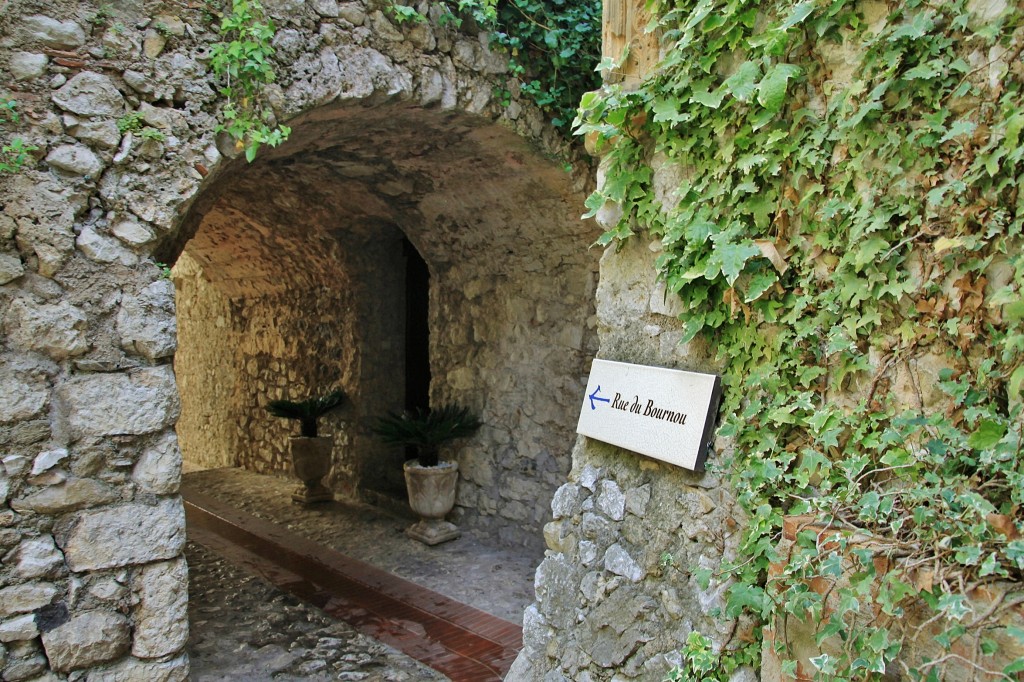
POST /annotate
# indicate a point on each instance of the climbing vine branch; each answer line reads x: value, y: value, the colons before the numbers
x: 243, y: 61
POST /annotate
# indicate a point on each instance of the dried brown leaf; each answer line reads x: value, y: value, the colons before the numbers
x: 773, y: 252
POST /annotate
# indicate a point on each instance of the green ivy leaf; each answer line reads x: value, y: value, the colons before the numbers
x: 986, y: 435
x: 760, y: 283
x: 729, y: 258
x: 771, y: 91
x: 741, y: 84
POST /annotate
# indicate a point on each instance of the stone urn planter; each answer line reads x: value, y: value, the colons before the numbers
x: 429, y: 481
x: 311, y: 461
x: 310, y: 452
x: 432, y: 495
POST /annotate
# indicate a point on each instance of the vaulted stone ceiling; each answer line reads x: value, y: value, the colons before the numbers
x: 458, y: 186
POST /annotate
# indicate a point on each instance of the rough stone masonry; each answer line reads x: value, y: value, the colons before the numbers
x: 93, y: 583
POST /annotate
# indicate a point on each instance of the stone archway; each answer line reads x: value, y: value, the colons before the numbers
x: 88, y: 399
x: 295, y: 265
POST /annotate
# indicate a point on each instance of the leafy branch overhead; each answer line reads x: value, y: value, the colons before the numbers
x: 847, y: 227
x: 243, y: 60
x: 553, y: 46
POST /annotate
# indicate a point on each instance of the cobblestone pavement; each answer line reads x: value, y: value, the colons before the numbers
x: 245, y: 629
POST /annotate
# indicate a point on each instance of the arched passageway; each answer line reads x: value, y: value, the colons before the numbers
x: 293, y: 278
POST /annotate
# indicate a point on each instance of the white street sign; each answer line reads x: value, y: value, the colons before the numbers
x: 667, y: 414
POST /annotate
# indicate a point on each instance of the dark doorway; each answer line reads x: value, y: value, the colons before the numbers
x: 417, y: 329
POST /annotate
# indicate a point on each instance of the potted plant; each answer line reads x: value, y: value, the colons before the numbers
x: 310, y: 452
x: 429, y: 481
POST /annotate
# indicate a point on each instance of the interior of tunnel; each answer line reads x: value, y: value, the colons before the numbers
x: 409, y: 257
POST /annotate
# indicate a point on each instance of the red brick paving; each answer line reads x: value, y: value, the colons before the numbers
x: 464, y: 643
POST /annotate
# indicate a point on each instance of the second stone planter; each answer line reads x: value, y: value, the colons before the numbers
x: 432, y: 495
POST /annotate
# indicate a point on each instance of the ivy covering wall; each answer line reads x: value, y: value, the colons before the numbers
x: 846, y: 230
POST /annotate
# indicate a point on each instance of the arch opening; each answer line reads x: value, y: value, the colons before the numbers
x: 409, y: 256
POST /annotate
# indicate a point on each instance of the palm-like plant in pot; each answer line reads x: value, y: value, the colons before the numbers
x: 430, y: 482
x: 310, y: 452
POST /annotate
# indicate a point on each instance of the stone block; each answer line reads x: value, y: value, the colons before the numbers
x: 48, y: 459
x: 610, y: 500
x: 76, y: 159
x: 52, y: 32
x: 22, y: 395
x: 24, y: 668
x: 161, y: 616
x: 565, y: 502
x: 104, y: 249
x: 28, y: 65
x: 90, y: 94
x: 125, y: 535
x: 18, y: 628
x: 87, y: 639
x: 146, y: 322
x: 71, y: 495
x: 58, y: 329
x: 618, y: 561
x: 132, y: 232
x: 11, y: 267
x: 159, y: 468
x: 25, y: 597
x: 103, y: 133
x: 35, y: 558
x: 637, y: 500
x: 134, y: 670
x: 142, y: 401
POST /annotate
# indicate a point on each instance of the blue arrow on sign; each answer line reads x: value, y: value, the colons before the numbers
x: 593, y: 397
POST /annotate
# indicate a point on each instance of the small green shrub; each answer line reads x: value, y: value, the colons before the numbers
x: 307, y: 412
x: 426, y: 430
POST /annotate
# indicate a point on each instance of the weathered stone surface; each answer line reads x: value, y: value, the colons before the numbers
x: 53, y: 32
x: 25, y: 597
x: 44, y: 211
x: 159, y: 468
x: 104, y: 249
x: 132, y: 232
x: 610, y: 500
x: 326, y: 8
x: 23, y: 395
x: 36, y: 558
x: 153, y: 44
x: 161, y: 616
x: 102, y: 133
x: 59, y: 329
x: 18, y: 628
x: 129, y: 534
x: 75, y: 158
x: 565, y: 501
x: 134, y: 670
x: 146, y: 323
x: 47, y: 460
x: 169, y: 24
x: 28, y: 65
x: 142, y: 401
x: 618, y: 561
x: 72, y: 495
x: 26, y: 668
x: 90, y: 94
x: 86, y: 639
x: 637, y: 500
x: 11, y: 268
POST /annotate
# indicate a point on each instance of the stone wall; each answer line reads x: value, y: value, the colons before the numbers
x: 393, y: 125
x: 616, y: 594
